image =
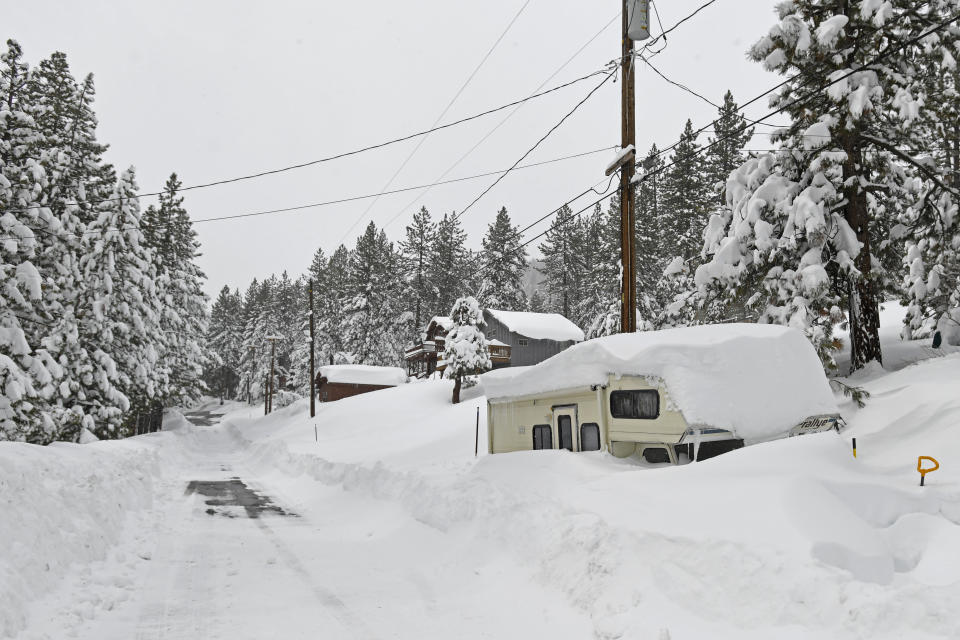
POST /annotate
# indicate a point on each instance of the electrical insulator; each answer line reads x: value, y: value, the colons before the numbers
x: 638, y: 19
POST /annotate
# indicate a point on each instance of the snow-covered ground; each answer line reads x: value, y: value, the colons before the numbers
x: 393, y: 529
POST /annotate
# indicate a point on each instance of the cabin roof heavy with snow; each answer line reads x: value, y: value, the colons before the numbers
x: 338, y: 381
x: 753, y: 381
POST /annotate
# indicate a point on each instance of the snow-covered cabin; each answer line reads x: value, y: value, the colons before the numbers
x: 422, y: 358
x: 338, y: 381
x: 514, y: 338
x: 696, y: 391
x: 531, y: 337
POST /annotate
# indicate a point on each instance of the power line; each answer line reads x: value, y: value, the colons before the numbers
x: 443, y: 113
x: 400, y: 190
x: 505, y: 119
x: 332, y: 202
x: 663, y: 34
x: 346, y: 153
x: 815, y: 93
x: 785, y: 82
x: 677, y: 84
x: 537, y: 143
x: 809, y: 96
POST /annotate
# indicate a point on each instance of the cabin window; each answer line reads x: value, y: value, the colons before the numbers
x: 542, y: 437
x: 656, y: 454
x: 590, y: 436
x: 522, y: 342
x: 636, y: 404
x: 491, y: 334
x: 565, y: 432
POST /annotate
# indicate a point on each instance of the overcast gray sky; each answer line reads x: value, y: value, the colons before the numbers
x: 214, y: 89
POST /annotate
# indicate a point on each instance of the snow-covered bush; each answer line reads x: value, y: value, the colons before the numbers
x: 283, y: 399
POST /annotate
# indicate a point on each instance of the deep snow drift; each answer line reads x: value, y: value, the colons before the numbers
x: 400, y: 532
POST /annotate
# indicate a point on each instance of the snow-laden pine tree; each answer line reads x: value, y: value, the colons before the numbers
x: 564, y: 268
x: 26, y: 376
x: 331, y: 306
x: 652, y: 256
x: 798, y: 223
x: 725, y: 153
x: 931, y: 282
x: 685, y: 198
x: 465, y: 348
x: 448, y: 265
x: 602, y: 314
x: 375, y: 323
x: 121, y: 314
x: 415, y: 255
x: 225, y: 341
x: 180, y: 282
x: 503, y: 264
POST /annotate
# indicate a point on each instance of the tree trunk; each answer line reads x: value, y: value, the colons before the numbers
x: 456, y: 390
x: 863, y: 300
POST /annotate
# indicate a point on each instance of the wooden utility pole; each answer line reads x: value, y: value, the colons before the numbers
x: 628, y: 287
x: 266, y: 396
x: 313, y: 391
x: 273, y: 353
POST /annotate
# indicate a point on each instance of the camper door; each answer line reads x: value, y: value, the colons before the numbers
x: 565, y: 427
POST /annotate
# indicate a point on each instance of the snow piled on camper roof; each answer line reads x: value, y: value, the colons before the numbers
x: 755, y: 380
x: 539, y: 326
x: 363, y: 374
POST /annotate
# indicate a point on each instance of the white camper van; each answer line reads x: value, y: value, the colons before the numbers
x: 665, y: 395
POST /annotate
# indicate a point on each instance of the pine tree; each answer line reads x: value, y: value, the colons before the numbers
x: 650, y: 238
x: 225, y: 341
x: 801, y: 222
x: 26, y: 376
x: 601, y: 316
x: 563, y: 269
x: 415, y: 255
x: 686, y: 199
x: 180, y: 282
x: 465, y: 351
x: 375, y: 324
x: 504, y: 263
x: 448, y: 263
x: 725, y: 154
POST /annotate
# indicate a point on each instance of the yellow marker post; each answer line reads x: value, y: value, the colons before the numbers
x: 854, y: 447
x: 924, y: 472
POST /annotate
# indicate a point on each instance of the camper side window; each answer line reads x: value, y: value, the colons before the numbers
x: 590, y: 436
x: 542, y: 437
x: 637, y: 404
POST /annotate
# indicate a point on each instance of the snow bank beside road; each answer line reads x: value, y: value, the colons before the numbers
x: 61, y: 505
x: 789, y: 539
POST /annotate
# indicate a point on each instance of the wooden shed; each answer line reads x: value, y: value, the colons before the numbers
x: 338, y: 381
x: 693, y: 392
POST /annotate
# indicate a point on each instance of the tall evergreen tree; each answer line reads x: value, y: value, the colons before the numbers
x: 686, y: 198
x: 564, y: 269
x: 504, y: 263
x: 374, y: 325
x: 729, y: 139
x: 180, y: 281
x: 415, y: 254
x: 802, y: 220
x: 448, y: 263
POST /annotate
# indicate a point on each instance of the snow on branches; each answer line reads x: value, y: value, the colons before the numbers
x: 465, y: 347
x: 809, y: 229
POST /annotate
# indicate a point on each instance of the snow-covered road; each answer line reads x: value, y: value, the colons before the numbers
x: 375, y: 520
x: 315, y: 562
